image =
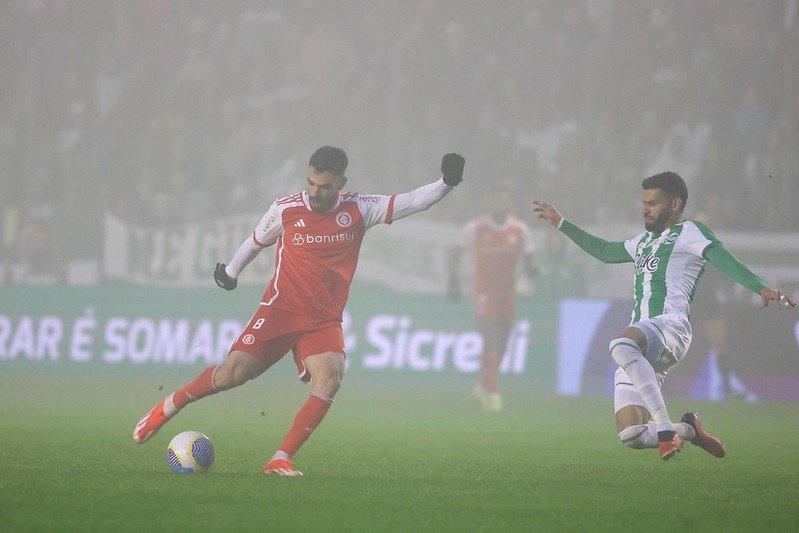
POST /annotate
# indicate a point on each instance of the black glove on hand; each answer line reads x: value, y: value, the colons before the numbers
x: 452, y: 169
x: 222, y: 279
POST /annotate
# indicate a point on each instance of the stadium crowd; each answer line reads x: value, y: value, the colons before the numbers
x: 167, y: 111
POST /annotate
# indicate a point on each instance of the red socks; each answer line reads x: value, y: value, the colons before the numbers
x: 308, y: 418
x: 199, y: 387
x: 489, y: 380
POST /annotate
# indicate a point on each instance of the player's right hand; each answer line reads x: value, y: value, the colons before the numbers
x: 222, y: 279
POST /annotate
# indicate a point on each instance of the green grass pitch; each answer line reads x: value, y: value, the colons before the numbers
x: 394, y: 454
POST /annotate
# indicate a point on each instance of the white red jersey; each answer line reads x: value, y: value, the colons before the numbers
x: 317, y: 253
x: 496, y: 250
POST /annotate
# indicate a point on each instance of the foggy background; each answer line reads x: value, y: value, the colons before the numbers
x: 163, y: 113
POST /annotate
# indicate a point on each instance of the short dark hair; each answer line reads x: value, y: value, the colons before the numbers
x: 329, y: 158
x: 671, y: 183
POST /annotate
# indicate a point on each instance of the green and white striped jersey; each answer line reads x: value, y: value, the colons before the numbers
x: 668, y: 267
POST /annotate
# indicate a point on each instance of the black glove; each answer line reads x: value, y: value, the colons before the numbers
x: 222, y: 279
x: 452, y: 169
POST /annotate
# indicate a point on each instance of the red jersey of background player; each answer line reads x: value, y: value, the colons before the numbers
x: 496, y: 249
x: 317, y: 253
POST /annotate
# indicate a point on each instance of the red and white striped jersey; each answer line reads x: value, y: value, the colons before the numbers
x: 496, y: 250
x: 317, y: 253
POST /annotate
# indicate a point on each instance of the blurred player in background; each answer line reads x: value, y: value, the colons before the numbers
x: 317, y: 234
x: 497, y: 241
x: 710, y: 316
x: 669, y: 259
x: 710, y: 313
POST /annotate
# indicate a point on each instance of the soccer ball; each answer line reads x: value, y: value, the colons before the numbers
x: 190, y: 452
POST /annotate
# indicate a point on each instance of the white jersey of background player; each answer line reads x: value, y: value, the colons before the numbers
x: 669, y: 259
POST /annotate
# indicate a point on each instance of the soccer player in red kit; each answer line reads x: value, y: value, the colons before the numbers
x: 317, y: 234
x: 498, y: 241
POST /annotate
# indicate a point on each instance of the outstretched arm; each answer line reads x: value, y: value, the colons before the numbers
x: 730, y: 265
x: 408, y: 203
x: 605, y: 251
x: 425, y: 196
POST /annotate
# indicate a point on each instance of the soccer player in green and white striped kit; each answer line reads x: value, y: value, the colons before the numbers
x: 669, y: 259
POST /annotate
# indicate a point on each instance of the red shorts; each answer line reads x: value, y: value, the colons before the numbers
x: 494, y: 307
x: 271, y: 334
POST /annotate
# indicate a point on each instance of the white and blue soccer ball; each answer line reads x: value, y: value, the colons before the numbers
x: 190, y: 452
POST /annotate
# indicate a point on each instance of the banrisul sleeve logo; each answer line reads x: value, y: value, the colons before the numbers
x: 344, y: 220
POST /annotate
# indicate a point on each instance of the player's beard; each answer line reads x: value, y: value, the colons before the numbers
x: 319, y: 206
x: 659, y: 224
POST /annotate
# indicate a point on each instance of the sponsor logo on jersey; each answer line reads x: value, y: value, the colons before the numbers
x: 248, y: 339
x: 299, y: 239
x: 646, y: 263
x: 270, y: 222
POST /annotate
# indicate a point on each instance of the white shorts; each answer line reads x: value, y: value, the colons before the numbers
x: 667, y: 340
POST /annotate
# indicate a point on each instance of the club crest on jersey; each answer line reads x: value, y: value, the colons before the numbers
x: 344, y: 220
x: 646, y: 263
x: 672, y: 238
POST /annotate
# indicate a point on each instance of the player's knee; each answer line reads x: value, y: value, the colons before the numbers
x: 225, y: 380
x: 326, y: 371
x: 638, y: 437
x: 326, y: 383
x: 624, y: 351
x: 228, y: 377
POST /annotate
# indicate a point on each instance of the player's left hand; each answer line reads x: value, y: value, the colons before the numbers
x: 783, y: 302
x: 548, y: 212
x: 452, y: 169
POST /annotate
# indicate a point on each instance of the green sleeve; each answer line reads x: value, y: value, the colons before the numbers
x: 605, y: 251
x: 730, y: 265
